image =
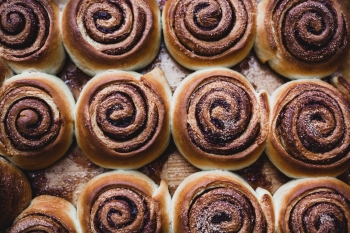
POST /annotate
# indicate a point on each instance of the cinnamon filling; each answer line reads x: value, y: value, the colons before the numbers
x: 323, y: 210
x: 208, y: 28
x: 222, y: 117
x: 121, y: 209
x: 30, y: 124
x: 24, y: 27
x: 311, y: 126
x: 225, y: 209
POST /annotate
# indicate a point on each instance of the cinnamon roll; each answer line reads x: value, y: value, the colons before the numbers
x: 47, y: 214
x: 5, y: 72
x: 30, y: 35
x: 223, y: 122
x: 313, y: 205
x: 213, y: 33
x: 302, y: 38
x: 124, y: 201
x: 342, y: 85
x: 36, y: 119
x: 15, y: 193
x: 309, y: 129
x: 106, y: 34
x: 123, y: 119
x: 220, y: 201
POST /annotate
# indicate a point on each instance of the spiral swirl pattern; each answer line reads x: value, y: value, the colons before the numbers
x: 224, y: 121
x: 225, y: 210
x: 126, y: 115
x: 123, y: 201
x: 117, y: 26
x: 122, y: 34
x: 313, y: 205
x: 123, y: 210
x: 223, y: 116
x: 36, y: 119
x: 310, y: 125
x: 47, y: 214
x: 205, y: 23
x: 303, y: 38
x: 312, y: 31
x: 38, y: 223
x: 316, y: 118
x: 330, y: 214
x: 29, y: 121
x: 23, y: 27
x: 214, y: 30
x: 218, y: 202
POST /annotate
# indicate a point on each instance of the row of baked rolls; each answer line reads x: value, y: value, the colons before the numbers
x: 124, y: 201
x: 123, y: 118
x: 220, y: 201
x: 37, y: 121
x: 310, y: 128
x: 223, y: 122
x: 47, y: 214
x: 298, y: 38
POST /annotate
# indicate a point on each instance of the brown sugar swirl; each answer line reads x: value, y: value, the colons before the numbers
x: 309, y: 129
x: 36, y: 120
x: 125, y: 117
x: 123, y: 201
x: 219, y: 201
x: 203, y: 34
x: 30, y: 36
x: 224, y: 120
x: 302, y: 38
x: 111, y: 34
x: 47, y: 214
x: 313, y: 205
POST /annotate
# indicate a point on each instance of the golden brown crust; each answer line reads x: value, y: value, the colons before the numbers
x: 15, y: 193
x: 143, y: 206
x: 302, y: 39
x: 218, y: 120
x: 36, y: 119
x: 309, y: 129
x: 102, y: 35
x: 205, y: 34
x: 313, y: 205
x: 123, y: 118
x: 47, y: 214
x: 222, y: 201
x: 342, y: 85
x: 5, y: 72
x: 30, y: 36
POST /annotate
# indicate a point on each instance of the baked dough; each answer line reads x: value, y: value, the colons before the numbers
x: 123, y: 118
x: 302, y: 39
x: 124, y: 201
x: 309, y: 129
x: 220, y: 201
x: 47, y: 214
x: 207, y: 33
x: 30, y: 37
x: 312, y: 205
x: 37, y: 120
x: 102, y: 35
x: 218, y: 120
